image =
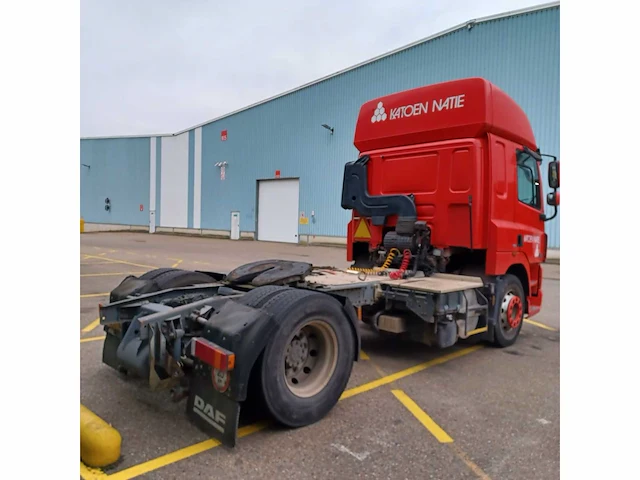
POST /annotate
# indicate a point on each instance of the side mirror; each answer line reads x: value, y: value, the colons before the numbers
x: 553, y: 199
x: 554, y: 174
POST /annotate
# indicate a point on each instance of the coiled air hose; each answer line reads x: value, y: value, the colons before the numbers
x: 379, y: 270
x: 406, y: 259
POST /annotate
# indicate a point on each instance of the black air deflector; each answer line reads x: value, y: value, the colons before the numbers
x: 355, y: 196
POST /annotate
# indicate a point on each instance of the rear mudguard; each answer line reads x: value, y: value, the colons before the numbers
x: 245, y: 331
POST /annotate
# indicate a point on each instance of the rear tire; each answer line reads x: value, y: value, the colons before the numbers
x: 155, y: 273
x: 306, y: 366
x: 181, y: 278
x: 156, y: 280
x: 508, y: 310
x: 261, y: 295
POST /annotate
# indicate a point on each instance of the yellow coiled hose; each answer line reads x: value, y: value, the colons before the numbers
x: 376, y: 270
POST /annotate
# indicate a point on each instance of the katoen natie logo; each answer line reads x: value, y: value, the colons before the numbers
x: 379, y: 115
x: 412, y: 110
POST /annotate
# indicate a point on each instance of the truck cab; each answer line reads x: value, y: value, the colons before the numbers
x: 453, y: 167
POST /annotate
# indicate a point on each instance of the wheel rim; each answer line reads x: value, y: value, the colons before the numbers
x: 310, y: 358
x: 511, y: 313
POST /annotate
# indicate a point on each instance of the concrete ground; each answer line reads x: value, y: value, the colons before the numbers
x: 410, y: 412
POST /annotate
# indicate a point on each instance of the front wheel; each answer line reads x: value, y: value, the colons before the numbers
x: 307, y: 365
x: 509, y: 310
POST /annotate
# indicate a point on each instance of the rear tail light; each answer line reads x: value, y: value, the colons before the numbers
x: 212, y: 354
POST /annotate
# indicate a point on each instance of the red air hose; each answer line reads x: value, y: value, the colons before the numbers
x: 406, y: 258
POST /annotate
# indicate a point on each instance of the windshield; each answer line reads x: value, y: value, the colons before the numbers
x: 528, y: 180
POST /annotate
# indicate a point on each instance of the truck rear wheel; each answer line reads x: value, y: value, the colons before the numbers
x: 151, y: 274
x: 181, y: 278
x: 307, y: 365
x: 509, y: 310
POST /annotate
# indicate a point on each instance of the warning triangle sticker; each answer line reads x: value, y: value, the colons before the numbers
x: 362, y: 231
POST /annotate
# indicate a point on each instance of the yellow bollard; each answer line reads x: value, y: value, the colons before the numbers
x: 99, y: 442
x: 81, y: 225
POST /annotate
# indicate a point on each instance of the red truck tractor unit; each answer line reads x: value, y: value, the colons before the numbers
x: 448, y: 180
x: 446, y: 242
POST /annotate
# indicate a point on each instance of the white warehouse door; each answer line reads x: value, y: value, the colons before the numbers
x: 278, y: 210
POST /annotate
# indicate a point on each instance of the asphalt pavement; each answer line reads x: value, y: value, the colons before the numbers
x: 409, y: 411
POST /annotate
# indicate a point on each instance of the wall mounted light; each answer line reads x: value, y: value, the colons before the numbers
x: 222, y: 166
x: 324, y: 125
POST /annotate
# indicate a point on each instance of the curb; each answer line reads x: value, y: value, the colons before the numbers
x: 99, y: 442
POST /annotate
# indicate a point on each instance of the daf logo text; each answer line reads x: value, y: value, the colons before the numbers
x: 213, y: 417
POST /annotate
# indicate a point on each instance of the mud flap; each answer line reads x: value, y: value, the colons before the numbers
x: 213, y: 412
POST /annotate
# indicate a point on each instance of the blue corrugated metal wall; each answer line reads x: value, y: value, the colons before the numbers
x: 118, y: 168
x: 520, y: 54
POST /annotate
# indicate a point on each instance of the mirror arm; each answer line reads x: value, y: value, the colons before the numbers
x: 543, y: 216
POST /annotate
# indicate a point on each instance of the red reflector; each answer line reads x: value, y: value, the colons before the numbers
x: 213, y: 355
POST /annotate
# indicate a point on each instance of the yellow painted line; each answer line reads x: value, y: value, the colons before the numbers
x: 457, y: 450
x: 181, y: 454
x: 469, y: 463
x: 91, y: 339
x: 113, y: 260
x: 409, y: 371
x: 110, y: 274
x: 91, y: 295
x: 91, y: 326
x: 100, y: 443
x: 422, y: 417
x: 541, y: 325
x: 96, y: 263
x: 364, y: 356
x: 178, y: 455
x: 102, y: 254
x: 88, y: 473
x: 176, y: 264
x: 478, y: 330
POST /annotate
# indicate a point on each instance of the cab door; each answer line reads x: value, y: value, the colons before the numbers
x: 530, y: 238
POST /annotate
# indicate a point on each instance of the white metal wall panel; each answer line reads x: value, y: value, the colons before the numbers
x: 174, y: 181
x: 152, y: 184
x: 152, y: 174
x: 197, y: 177
x: 278, y: 210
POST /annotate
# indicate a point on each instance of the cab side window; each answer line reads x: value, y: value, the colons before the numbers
x: 528, y: 180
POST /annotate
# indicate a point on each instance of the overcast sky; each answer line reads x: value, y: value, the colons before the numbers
x: 160, y: 66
